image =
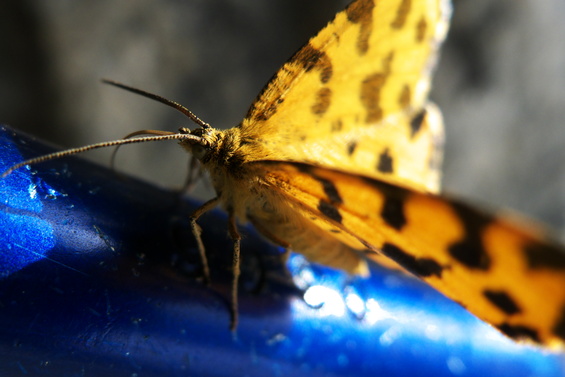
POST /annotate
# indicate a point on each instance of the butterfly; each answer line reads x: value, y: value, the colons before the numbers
x: 339, y: 159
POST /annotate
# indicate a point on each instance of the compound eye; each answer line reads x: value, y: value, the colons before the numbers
x: 199, y: 151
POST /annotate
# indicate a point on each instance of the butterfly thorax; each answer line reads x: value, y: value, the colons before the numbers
x: 214, y: 148
x: 219, y: 154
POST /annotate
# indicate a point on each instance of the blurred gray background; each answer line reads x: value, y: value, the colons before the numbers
x: 500, y: 83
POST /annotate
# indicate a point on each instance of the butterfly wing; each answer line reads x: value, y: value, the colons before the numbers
x: 505, y: 272
x: 355, y: 96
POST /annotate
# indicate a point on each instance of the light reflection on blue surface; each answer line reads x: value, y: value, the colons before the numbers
x: 17, y: 190
x: 32, y: 190
x: 327, y: 300
x: 24, y: 238
x: 375, y: 313
x: 389, y: 313
x: 456, y: 365
x: 355, y: 304
x: 302, y: 275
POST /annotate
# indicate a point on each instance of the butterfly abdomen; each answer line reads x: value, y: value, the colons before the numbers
x: 279, y: 222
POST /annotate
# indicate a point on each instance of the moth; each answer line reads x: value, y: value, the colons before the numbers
x: 339, y: 159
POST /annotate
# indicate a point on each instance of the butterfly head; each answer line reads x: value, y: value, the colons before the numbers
x: 203, y: 142
x: 200, y: 142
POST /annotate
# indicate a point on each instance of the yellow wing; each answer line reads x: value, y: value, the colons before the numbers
x: 507, y: 273
x: 355, y: 96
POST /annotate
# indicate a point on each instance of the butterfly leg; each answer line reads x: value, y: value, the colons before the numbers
x: 197, y: 232
x: 236, y: 237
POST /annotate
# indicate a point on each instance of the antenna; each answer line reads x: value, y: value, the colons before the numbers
x: 161, y: 135
x: 156, y: 135
x: 168, y: 102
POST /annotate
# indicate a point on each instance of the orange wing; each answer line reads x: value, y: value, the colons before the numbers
x: 506, y: 272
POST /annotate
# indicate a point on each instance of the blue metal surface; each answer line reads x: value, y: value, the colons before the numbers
x: 99, y: 275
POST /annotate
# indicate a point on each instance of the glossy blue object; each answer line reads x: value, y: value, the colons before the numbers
x: 99, y: 276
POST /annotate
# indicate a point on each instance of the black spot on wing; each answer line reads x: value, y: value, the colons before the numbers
x: 393, y: 209
x: 351, y: 147
x: 416, y: 123
x: 323, y: 101
x: 559, y: 327
x: 361, y: 12
x: 329, y: 211
x: 337, y: 125
x: 502, y: 301
x: 519, y: 332
x: 326, y: 206
x: 423, y: 267
x: 311, y: 58
x: 541, y: 255
x: 328, y: 186
x: 330, y: 190
x: 421, y: 29
x: 402, y: 14
x: 405, y: 96
x: 370, y: 96
x: 385, y: 164
x: 470, y: 250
